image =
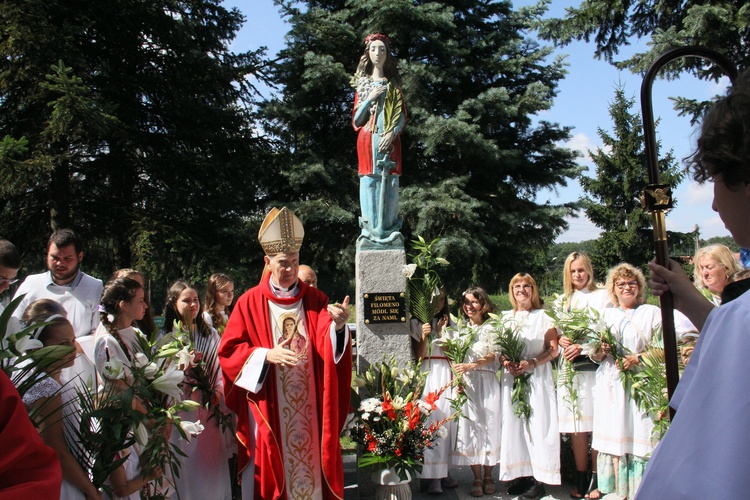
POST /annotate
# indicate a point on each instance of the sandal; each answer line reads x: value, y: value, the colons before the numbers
x: 489, y: 486
x: 593, y: 490
x: 476, y: 488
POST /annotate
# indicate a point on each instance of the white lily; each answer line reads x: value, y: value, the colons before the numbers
x: 168, y: 383
x: 113, y: 369
x: 26, y: 343
x: 191, y: 428
x: 409, y: 270
x: 185, y: 358
x: 140, y: 360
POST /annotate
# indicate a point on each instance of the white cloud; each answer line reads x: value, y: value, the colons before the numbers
x: 584, y: 144
x: 698, y: 194
x: 579, y: 229
x: 717, y: 88
x: 713, y: 226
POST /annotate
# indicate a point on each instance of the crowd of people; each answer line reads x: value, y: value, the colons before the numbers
x: 611, y: 436
x: 595, y: 408
x: 284, y: 323
x: 284, y: 356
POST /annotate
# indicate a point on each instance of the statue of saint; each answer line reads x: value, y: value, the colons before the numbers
x: 379, y: 117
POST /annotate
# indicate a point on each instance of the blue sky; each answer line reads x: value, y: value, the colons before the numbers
x: 582, y: 103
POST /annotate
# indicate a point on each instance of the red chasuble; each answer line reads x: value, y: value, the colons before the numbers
x: 28, y: 467
x: 249, y: 328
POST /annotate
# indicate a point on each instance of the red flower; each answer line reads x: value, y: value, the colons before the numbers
x: 430, y: 399
x: 388, y: 407
x: 412, y: 412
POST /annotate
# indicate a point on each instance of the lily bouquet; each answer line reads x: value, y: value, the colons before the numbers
x: 139, y: 404
x: 456, y: 342
x: 581, y: 326
x: 424, y: 282
x: 511, y: 345
x: 391, y: 422
x: 202, y: 376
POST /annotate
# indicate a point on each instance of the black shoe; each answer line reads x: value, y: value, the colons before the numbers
x: 536, y: 491
x: 521, y: 485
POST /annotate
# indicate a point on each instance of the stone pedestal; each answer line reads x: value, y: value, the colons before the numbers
x: 379, y: 272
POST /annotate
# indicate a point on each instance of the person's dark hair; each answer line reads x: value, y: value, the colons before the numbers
x: 147, y: 325
x: 170, y: 308
x: 9, y: 256
x: 739, y: 283
x: 116, y: 290
x: 43, y: 334
x: 42, y: 307
x: 480, y: 294
x: 446, y: 309
x: 723, y: 147
x: 64, y: 238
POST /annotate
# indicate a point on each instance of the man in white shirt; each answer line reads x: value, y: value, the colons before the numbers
x: 76, y: 291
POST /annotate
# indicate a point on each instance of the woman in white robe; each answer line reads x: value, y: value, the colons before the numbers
x: 427, y: 348
x: 478, y: 429
x: 530, y: 450
x: 622, y: 432
x: 577, y: 419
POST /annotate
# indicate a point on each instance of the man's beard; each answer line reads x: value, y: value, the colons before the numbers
x: 68, y: 276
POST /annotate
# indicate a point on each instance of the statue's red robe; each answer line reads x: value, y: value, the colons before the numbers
x: 248, y: 329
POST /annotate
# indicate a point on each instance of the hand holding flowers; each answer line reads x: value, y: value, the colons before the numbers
x: 511, y: 346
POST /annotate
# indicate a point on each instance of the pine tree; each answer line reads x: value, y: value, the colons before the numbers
x: 474, y: 156
x: 612, y: 200
x: 130, y: 122
x: 720, y: 25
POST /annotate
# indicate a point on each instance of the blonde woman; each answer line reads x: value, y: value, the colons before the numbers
x: 530, y: 450
x: 579, y: 292
x: 714, y: 265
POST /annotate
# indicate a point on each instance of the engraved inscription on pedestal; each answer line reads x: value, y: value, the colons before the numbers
x: 387, y: 307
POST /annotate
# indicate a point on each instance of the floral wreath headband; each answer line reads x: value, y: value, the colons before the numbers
x: 377, y: 36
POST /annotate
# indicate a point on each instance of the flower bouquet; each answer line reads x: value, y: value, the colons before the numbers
x: 581, y: 326
x: 649, y: 385
x: 391, y: 422
x: 139, y: 405
x: 202, y: 375
x: 424, y: 282
x: 511, y: 345
x: 456, y: 344
x: 606, y: 337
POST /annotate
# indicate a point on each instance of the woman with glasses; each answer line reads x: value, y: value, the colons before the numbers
x: 622, y: 432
